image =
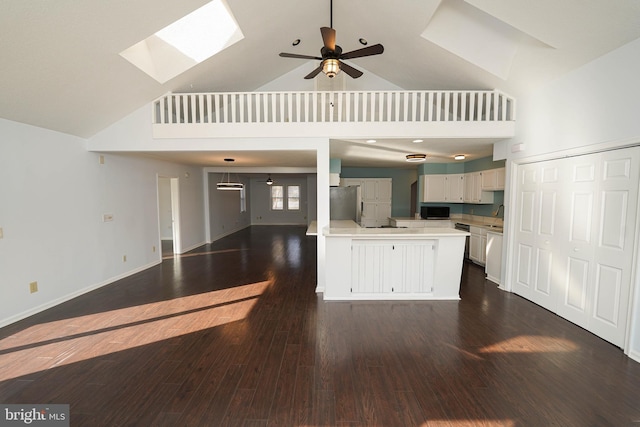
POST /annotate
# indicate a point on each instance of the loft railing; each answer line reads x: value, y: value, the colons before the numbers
x: 321, y: 107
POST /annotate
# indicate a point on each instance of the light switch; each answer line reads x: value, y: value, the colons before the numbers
x: 107, y: 217
x: 1, y: 233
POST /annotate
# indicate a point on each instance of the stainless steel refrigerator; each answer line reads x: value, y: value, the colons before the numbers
x: 345, y: 203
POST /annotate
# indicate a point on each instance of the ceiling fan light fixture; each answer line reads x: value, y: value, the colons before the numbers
x: 331, y: 67
x: 269, y: 181
x: 459, y: 157
x: 416, y: 158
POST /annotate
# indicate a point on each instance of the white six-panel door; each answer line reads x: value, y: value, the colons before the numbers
x: 574, y: 233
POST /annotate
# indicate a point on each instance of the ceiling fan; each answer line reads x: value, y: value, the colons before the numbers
x: 268, y: 181
x: 331, y: 54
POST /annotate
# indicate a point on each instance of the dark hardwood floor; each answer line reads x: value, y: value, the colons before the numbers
x: 234, y: 334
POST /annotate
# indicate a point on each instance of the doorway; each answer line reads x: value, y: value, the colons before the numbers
x: 168, y: 216
x: 414, y: 198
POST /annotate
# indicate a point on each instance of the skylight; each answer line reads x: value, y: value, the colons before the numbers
x: 187, y: 42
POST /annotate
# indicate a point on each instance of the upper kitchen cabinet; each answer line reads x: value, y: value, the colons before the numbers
x: 447, y: 188
x: 473, y: 191
x: 493, y: 179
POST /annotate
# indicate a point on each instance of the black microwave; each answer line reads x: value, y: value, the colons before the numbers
x: 434, y: 212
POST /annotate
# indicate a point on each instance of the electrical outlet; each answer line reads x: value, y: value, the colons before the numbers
x: 107, y: 217
x: 33, y: 287
x: 124, y: 258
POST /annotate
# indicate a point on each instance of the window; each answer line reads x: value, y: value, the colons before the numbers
x: 293, y: 197
x: 277, y: 197
x: 243, y: 200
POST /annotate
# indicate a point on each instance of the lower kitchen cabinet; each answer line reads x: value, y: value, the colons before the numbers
x: 493, y: 265
x: 478, y: 244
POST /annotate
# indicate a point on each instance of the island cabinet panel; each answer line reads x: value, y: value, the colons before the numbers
x: 392, y: 267
x: 371, y: 264
x: 393, y: 263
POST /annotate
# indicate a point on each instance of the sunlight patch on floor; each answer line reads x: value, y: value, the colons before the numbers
x: 224, y: 251
x: 466, y: 423
x: 531, y: 344
x: 95, y: 335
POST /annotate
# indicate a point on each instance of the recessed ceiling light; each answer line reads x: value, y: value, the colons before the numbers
x: 363, y: 41
x: 296, y: 42
x: 417, y: 141
x: 416, y: 157
x: 459, y: 157
x: 228, y: 159
x: 371, y: 141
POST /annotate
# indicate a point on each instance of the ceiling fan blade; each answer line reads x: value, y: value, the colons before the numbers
x: 295, y: 55
x: 329, y: 38
x: 376, y: 49
x: 314, y: 73
x: 350, y: 70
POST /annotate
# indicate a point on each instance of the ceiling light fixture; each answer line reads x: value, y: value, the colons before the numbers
x: 416, y: 157
x: 269, y: 181
x: 296, y: 42
x: 331, y: 67
x: 371, y: 141
x: 459, y: 157
x: 228, y: 185
x: 363, y: 41
x: 417, y: 141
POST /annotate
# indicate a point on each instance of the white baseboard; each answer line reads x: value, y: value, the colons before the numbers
x: 634, y: 355
x: 192, y: 247
x: 72, y: 295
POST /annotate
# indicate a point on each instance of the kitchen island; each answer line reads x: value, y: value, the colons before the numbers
x: 393, y: 263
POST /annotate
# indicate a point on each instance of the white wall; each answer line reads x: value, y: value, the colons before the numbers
x: 224, y: 208
x: 596, y: 103
x: 52, y: 200
x: 261, y: 212
x: 594, y: 106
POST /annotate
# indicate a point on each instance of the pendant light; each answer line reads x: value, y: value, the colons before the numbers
x: 228, y: 185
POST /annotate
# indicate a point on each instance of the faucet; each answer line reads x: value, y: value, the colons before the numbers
x: 498, y: 210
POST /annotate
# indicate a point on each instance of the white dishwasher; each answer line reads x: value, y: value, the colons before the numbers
x: 493, y: 266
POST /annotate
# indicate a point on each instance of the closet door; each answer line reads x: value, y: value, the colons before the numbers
x: 575, y: 253
x: 574, y: 234
x: 615, y: 230
x: 537, y: 232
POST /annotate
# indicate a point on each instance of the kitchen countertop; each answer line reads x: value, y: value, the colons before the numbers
x: 351, y: 229
x: 334, y: 223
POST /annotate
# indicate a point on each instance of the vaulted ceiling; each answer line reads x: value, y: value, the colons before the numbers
x: 61, y: 67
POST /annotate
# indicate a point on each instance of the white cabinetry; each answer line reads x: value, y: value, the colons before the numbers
x: 493, y: 267
x: 443, y: 188
x: 392, y: 267
x: 473, y: 192
x: 493, y: 179
x: 574, y: 234
x: 478, y: 244
x: 376, y: 200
